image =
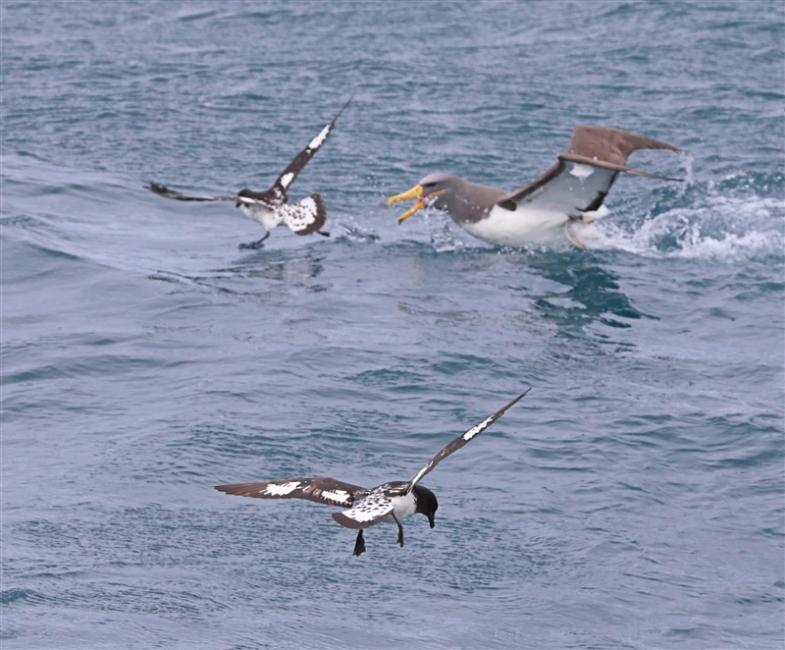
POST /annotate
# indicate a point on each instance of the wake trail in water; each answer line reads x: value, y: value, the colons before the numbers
x: 715, y: 223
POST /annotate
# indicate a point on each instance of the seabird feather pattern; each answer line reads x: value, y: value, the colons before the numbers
x: 271, y: 208
x: 390, y: 501
x: 570, y: 191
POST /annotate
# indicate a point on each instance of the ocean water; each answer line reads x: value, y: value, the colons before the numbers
x: 634, y: 499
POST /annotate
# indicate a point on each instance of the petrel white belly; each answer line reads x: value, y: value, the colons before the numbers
x: 525, y: 225
x: 268, y: 218
x: 404, y: 506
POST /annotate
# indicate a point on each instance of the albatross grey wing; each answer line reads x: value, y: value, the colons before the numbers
x: 366, y: 511
x: 585, y: 172
x: 321, y: 490
x: 162, y: 190
x: 288, y: 175
x: 462, y: 440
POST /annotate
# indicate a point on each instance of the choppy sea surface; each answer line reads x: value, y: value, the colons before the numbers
x: 634, y: 499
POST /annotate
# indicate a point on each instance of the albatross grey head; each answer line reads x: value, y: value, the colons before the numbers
x: 463, y: 200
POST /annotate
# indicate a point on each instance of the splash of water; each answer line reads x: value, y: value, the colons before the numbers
x: 713, y: 223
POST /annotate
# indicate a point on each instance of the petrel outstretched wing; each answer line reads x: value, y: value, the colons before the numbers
x: 162, y: 190
x: 321, y: 490
x: 288, y: 175
x: 579, y: 181
x: 461, y: 440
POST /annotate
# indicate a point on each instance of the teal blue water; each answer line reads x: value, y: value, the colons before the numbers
x: 634, y: 499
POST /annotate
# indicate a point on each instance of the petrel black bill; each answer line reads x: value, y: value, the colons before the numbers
x: 390, y: 501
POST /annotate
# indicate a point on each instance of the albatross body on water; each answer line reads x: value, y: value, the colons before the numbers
x: 570, y: 192
x: 366, y: 507
x: 271, y: 208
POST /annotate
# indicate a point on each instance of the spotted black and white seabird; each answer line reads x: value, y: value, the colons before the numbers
x: 390, y: 501
x: 271, y: 208
x: 571, y: 191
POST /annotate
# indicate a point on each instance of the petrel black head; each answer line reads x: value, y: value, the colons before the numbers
x: 426, y: 503
x: 243, y: 192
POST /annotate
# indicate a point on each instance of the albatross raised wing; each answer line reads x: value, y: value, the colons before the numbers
x: 321, y: 490
x: 585, y: 172
x: 462, y: 440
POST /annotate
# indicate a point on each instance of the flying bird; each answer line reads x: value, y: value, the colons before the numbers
x: 271, y: 208
x: 390, y: 501
x: 569, y: 192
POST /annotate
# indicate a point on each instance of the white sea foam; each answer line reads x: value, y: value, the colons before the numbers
x: 721, y: 227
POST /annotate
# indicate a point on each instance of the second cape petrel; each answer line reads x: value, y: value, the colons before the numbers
x: 271, y: 208
x: 386, y: 502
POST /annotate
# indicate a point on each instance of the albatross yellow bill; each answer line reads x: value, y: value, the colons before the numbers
x: 417, y: 192
x: 409, y: 195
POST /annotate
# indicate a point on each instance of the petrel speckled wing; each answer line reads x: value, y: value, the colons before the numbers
x: 162, y: 190
x: 585, y: 172
x: 367, y: 511
x: 321, y: 490
x: 305, y: 217
x: 462, y: 440
x: 288, y: 175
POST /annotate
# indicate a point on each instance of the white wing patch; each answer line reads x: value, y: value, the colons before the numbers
x: 286, y: 179
x: 281, y: 489
x: 581, y: 171
x: 340, y: 497
x: 477, y: 429
x: 319, y: 139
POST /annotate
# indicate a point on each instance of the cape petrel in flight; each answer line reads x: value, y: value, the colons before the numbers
x: 386, y: 502
x: 271, y: 208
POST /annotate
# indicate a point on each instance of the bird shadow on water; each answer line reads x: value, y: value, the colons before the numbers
x: 587, y: 293
x: 284, y: 269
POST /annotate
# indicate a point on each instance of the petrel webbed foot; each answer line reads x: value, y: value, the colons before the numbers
x: 255, y: 244
x: 400, y: 529
x: 359, y: 544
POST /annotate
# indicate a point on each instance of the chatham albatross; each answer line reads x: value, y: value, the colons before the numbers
x: 569, y: 192
x: 271, y: 208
